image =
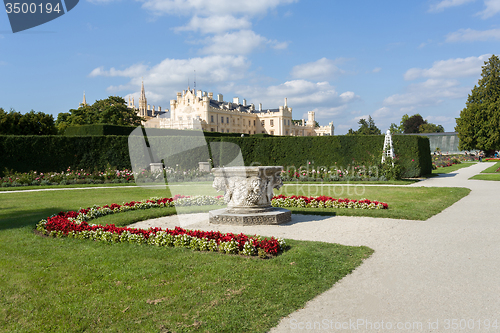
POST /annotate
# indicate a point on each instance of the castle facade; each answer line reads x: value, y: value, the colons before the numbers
x: 195, y: 109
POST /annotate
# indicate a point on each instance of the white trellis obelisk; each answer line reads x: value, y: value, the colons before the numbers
x: 388, y: 151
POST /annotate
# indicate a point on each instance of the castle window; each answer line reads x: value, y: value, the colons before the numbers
x: 271, y: 122
x: 222, y: 120
x: 212, y: 119
x: 263, y: 123
x: 272, y: 132
x: 227, y: 131
x: 254, y: 124
x: 288, y: 122
x: 212, y: 130
x: 249, y: 125
x: 286, y: 132
x: 263, y: 132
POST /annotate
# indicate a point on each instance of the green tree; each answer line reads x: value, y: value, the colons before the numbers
x: 430, y: 128
x: 366, y: 127
x: 31, y: 123
x: 415, y: 124
x: 111, y: 110
x: 412, y: 124
x: 395, y: 129
x: 478, y: 126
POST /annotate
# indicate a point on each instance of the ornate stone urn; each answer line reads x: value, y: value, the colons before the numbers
x: 248, y: 192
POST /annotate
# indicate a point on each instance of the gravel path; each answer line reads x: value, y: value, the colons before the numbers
x: 425, y: 276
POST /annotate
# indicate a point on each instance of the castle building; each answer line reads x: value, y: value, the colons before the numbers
x: 194, y: 108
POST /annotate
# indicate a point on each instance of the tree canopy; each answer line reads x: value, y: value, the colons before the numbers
x: 31, y: 123
x: 415, y: 124
x: 111, y: 110
x: 366, y: 127
x: 478, y: 126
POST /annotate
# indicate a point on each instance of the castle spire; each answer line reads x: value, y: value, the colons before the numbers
x: 143, y: 92
x: 143, y: 103
x: 84, y: 102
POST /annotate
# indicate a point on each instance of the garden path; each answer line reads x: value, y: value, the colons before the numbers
x: 423, y: 274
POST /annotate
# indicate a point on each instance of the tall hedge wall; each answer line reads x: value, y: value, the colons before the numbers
x: 413, y: 152
x: 105, y: 129
x: 57, y: 153
x: 97, y: 130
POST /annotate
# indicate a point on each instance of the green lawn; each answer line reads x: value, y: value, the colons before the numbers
x: 492, y: 169
x: 489, y: 173
x: 375, y: 182
x: 452, y: 168
x: 68, y: 285
x: 412, y: 203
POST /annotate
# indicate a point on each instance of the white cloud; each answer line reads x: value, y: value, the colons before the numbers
x: 213, y: 7
x: 321, y: 69
x: 469, y: 35
x: 382, y: 112
x: 305, y: 95
x: 447, y: 4
x: 131, y: 71
x: 439, y: 119
x: 163, y: 80
x: 429, y: 93
x: 492, y: 8
x: 102, y: 1
x: 216, y: 24
x: 376, y: 70
x: 451, y: 68
x: 240, y: 42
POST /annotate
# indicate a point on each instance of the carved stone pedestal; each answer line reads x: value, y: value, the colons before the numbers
x: 272, y: 216
x: 248, y: 192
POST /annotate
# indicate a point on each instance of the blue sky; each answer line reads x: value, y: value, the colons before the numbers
x: 342, y: 59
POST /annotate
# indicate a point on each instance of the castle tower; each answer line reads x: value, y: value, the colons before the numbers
x: 310, y: 119
x: 143, y: 103
x: 84, y: 103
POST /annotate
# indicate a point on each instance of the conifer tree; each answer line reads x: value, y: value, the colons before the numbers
x: 479, y: 124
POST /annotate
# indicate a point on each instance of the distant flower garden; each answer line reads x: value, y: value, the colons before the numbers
x: 440, y: 161
x: 109, y: 176
x: 113, y: 176
x: 324, y: 174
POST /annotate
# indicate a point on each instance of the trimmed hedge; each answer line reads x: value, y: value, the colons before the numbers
x: 57, y: 153
x: 105, y: 129
x: 413, y: 152
x: 98, y: 130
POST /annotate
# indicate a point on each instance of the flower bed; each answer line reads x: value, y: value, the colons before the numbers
x: 75, y: 225
x: 325, y: 202
x: 321, y: 174
x: 441, y: 161
x: 110, y: 175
